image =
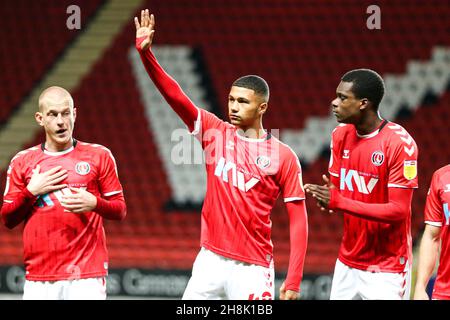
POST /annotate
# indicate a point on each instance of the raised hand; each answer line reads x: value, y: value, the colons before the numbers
x: 45, y: 182
x: 79, y: 201
x: 145, y: 29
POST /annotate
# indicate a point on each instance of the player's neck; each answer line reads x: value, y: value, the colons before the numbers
x: 252, y: 132
x: 368, y: 124
x: 52, y: 146
x: 255, y: 131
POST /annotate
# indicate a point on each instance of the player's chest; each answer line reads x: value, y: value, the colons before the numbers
x: 80, y: 170
x: 245, y: 165
x: 369, y: 157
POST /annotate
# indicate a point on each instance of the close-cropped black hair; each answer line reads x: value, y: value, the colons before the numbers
x: 255, y: 83
x: 366, y: 84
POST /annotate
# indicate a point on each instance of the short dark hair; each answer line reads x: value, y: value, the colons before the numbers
x: 255, y: 83
x: 366, y: 84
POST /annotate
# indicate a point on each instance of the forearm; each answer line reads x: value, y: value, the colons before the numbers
x: 428, y: 254
x: 298, y: 230
x: 168, y: 87
x: 15, y: 212
x: 395, y: 210
x: 111, y: 209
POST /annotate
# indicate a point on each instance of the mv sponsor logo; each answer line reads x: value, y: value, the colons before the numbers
x: 237, y: 177
x: 46, y: 200
x: 447, y: 188
x: 351, y: 178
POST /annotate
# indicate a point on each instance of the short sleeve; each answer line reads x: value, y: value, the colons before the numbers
x: 108, y: 178
x: 403, y: 155
x: 433, y: 206
x: 291, y: 180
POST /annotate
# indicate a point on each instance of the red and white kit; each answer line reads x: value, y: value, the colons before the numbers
x: 364, y: 169
x: 437, y: 213
x: 61, y: 245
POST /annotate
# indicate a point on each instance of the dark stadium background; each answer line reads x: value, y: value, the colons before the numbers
x: 300, y: 47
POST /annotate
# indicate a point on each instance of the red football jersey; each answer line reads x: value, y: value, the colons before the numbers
x: 60, y: 245
x: 437, y: 213
x: 244, y: 179
x: 366, y: 167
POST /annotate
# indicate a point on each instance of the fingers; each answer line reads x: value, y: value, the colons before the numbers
x: 76, y: 190
x: 152, y: 21
x: 325, y: 178
x: 136, y: 23
x: 55, y: 187
x: 57, y: 180
x: 52, y: 171
x: 56, y: 175
x: 142, y: 18
x: 147, y: 18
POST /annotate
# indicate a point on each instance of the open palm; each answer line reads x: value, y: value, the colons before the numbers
x: 145, y: 28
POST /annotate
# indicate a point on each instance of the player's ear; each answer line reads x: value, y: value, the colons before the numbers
x: 74, y: 114
x: 263, y: 108
x: 364, y: 104
x: 39, y: 118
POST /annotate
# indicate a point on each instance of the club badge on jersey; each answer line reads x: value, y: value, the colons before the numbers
x: 82, y: 168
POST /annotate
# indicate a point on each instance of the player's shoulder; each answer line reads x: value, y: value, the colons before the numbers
x: 213, y: 120
x: 397, y: 133
x: 341, y: 130
x: 286, y: 152
x: 27, y: 154
x: 93, y: 148
x: 443, y: 171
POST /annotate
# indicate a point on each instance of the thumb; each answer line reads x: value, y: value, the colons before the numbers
x: 76, y: 190
x: 327, y: 181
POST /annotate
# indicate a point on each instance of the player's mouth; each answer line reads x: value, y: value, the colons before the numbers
x: 61, y: 132
x: 234, y: 117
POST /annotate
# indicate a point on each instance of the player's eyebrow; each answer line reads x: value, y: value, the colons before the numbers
x: 242, y: 99
x: 55, y: 111
x: 341, y: 94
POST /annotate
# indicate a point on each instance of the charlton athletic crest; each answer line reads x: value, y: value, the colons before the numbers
x: 378, y: 158
x: 82, y: 168
x: 263, y: 162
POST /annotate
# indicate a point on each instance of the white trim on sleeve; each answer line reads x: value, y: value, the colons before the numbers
x: 393, y: 185
x: 434, y: 223
x: 293, y: 199
x: 197, y: 123
x: 112, y: 193
x: 8, y: 201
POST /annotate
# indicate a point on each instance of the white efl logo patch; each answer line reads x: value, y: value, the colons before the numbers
x: 378, y: 158
x: 263, y: 162
x: 82, y: 168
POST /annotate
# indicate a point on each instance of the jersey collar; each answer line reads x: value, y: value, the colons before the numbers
x: 59, y: 153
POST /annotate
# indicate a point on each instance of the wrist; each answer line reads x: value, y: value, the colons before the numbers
x: 29, y: 192
x: 334, y: 198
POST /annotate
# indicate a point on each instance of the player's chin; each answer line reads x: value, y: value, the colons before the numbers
x: 62, y: 138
